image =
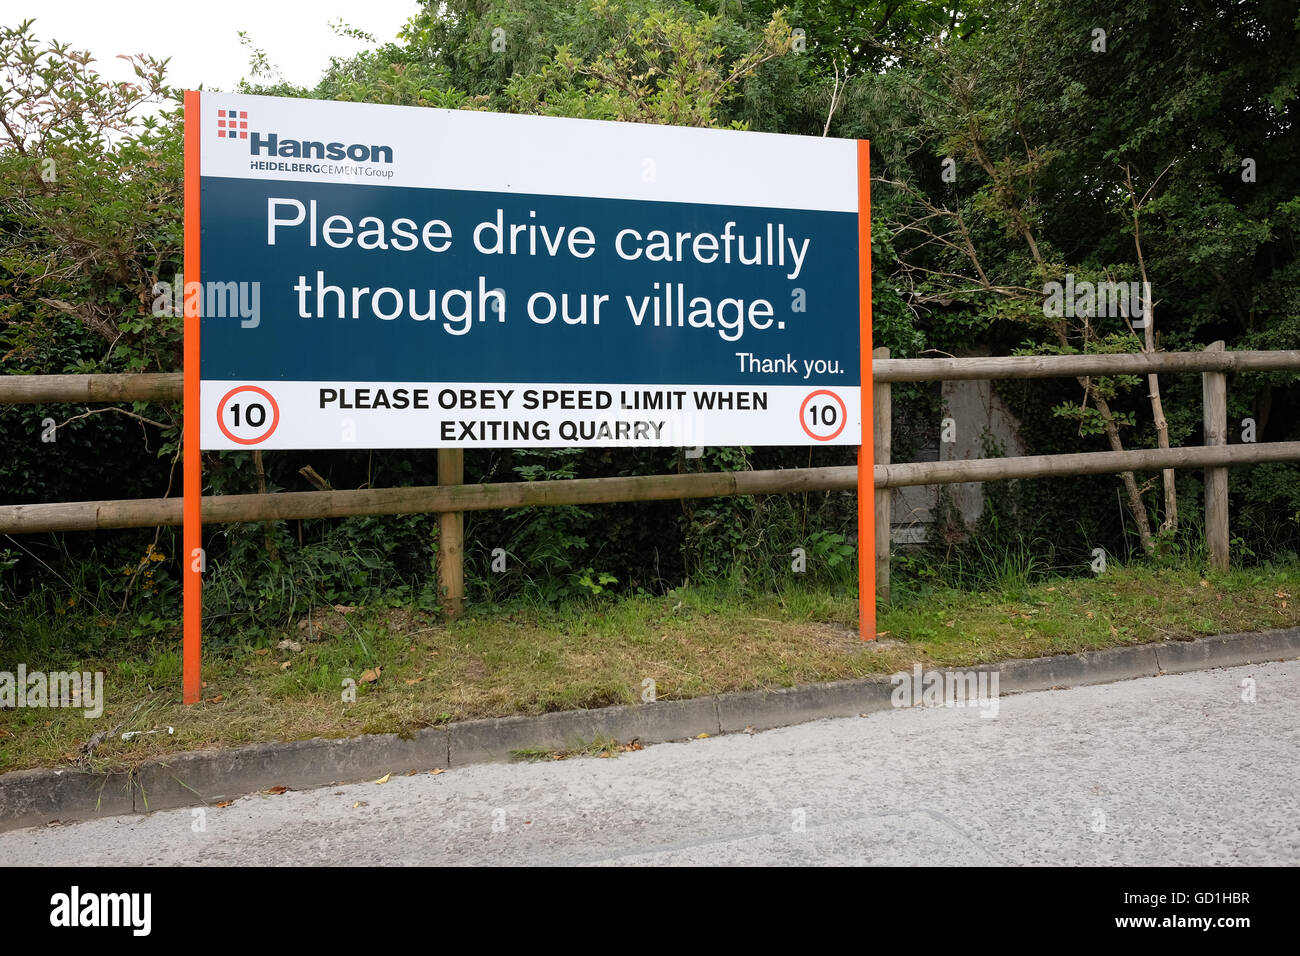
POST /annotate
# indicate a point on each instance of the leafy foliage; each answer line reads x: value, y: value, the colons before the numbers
x: 1106, y: 165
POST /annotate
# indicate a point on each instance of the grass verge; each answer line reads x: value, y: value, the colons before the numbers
x: 411, y: 670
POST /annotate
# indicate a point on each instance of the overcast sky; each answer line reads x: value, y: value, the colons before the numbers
x: 202, y: 38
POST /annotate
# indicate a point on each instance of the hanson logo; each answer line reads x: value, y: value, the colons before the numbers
x: 232, y: 123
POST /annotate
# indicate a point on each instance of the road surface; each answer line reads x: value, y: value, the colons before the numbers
x: 1180, y: 769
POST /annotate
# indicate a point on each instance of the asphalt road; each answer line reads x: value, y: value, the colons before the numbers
x: 1166, y: 770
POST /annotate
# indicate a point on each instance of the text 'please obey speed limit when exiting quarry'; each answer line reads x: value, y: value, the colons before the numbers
x: 393, y: 277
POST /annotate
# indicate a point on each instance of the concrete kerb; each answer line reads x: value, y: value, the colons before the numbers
x: 204, y: 777
x: 1077, y: 670
x: 198, y: 778
x: 1227, y: 650
x: 487, y: 741
x: 767, y: 709
x: 32, y: 797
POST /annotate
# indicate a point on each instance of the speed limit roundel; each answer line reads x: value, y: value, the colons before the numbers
x: 248, y: 415
x: 823, y: 415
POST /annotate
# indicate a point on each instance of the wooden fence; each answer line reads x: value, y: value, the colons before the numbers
x: 451, y: 497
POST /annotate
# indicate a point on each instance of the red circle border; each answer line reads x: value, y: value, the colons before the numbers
x: 275, y: 408
x: 844, y: 417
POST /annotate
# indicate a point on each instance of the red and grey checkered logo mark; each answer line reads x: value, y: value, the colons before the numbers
x: 232, y: 124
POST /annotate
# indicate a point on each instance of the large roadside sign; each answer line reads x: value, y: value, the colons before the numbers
x: 395, y: 277
x: 371, y: 276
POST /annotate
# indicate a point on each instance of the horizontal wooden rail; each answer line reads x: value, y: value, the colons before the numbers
x: 166, y: 387
x: 130, y: 387
x: 1068, y: 366
x: 222, y: 509
x: 1082, y: 463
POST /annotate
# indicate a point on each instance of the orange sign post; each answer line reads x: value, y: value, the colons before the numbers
x: 192, y: 462
x: 866, y: 451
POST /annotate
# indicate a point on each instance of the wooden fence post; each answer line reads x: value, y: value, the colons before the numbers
x: 882, y: 416
x: 451, y: 535
x: 1215, y: 389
